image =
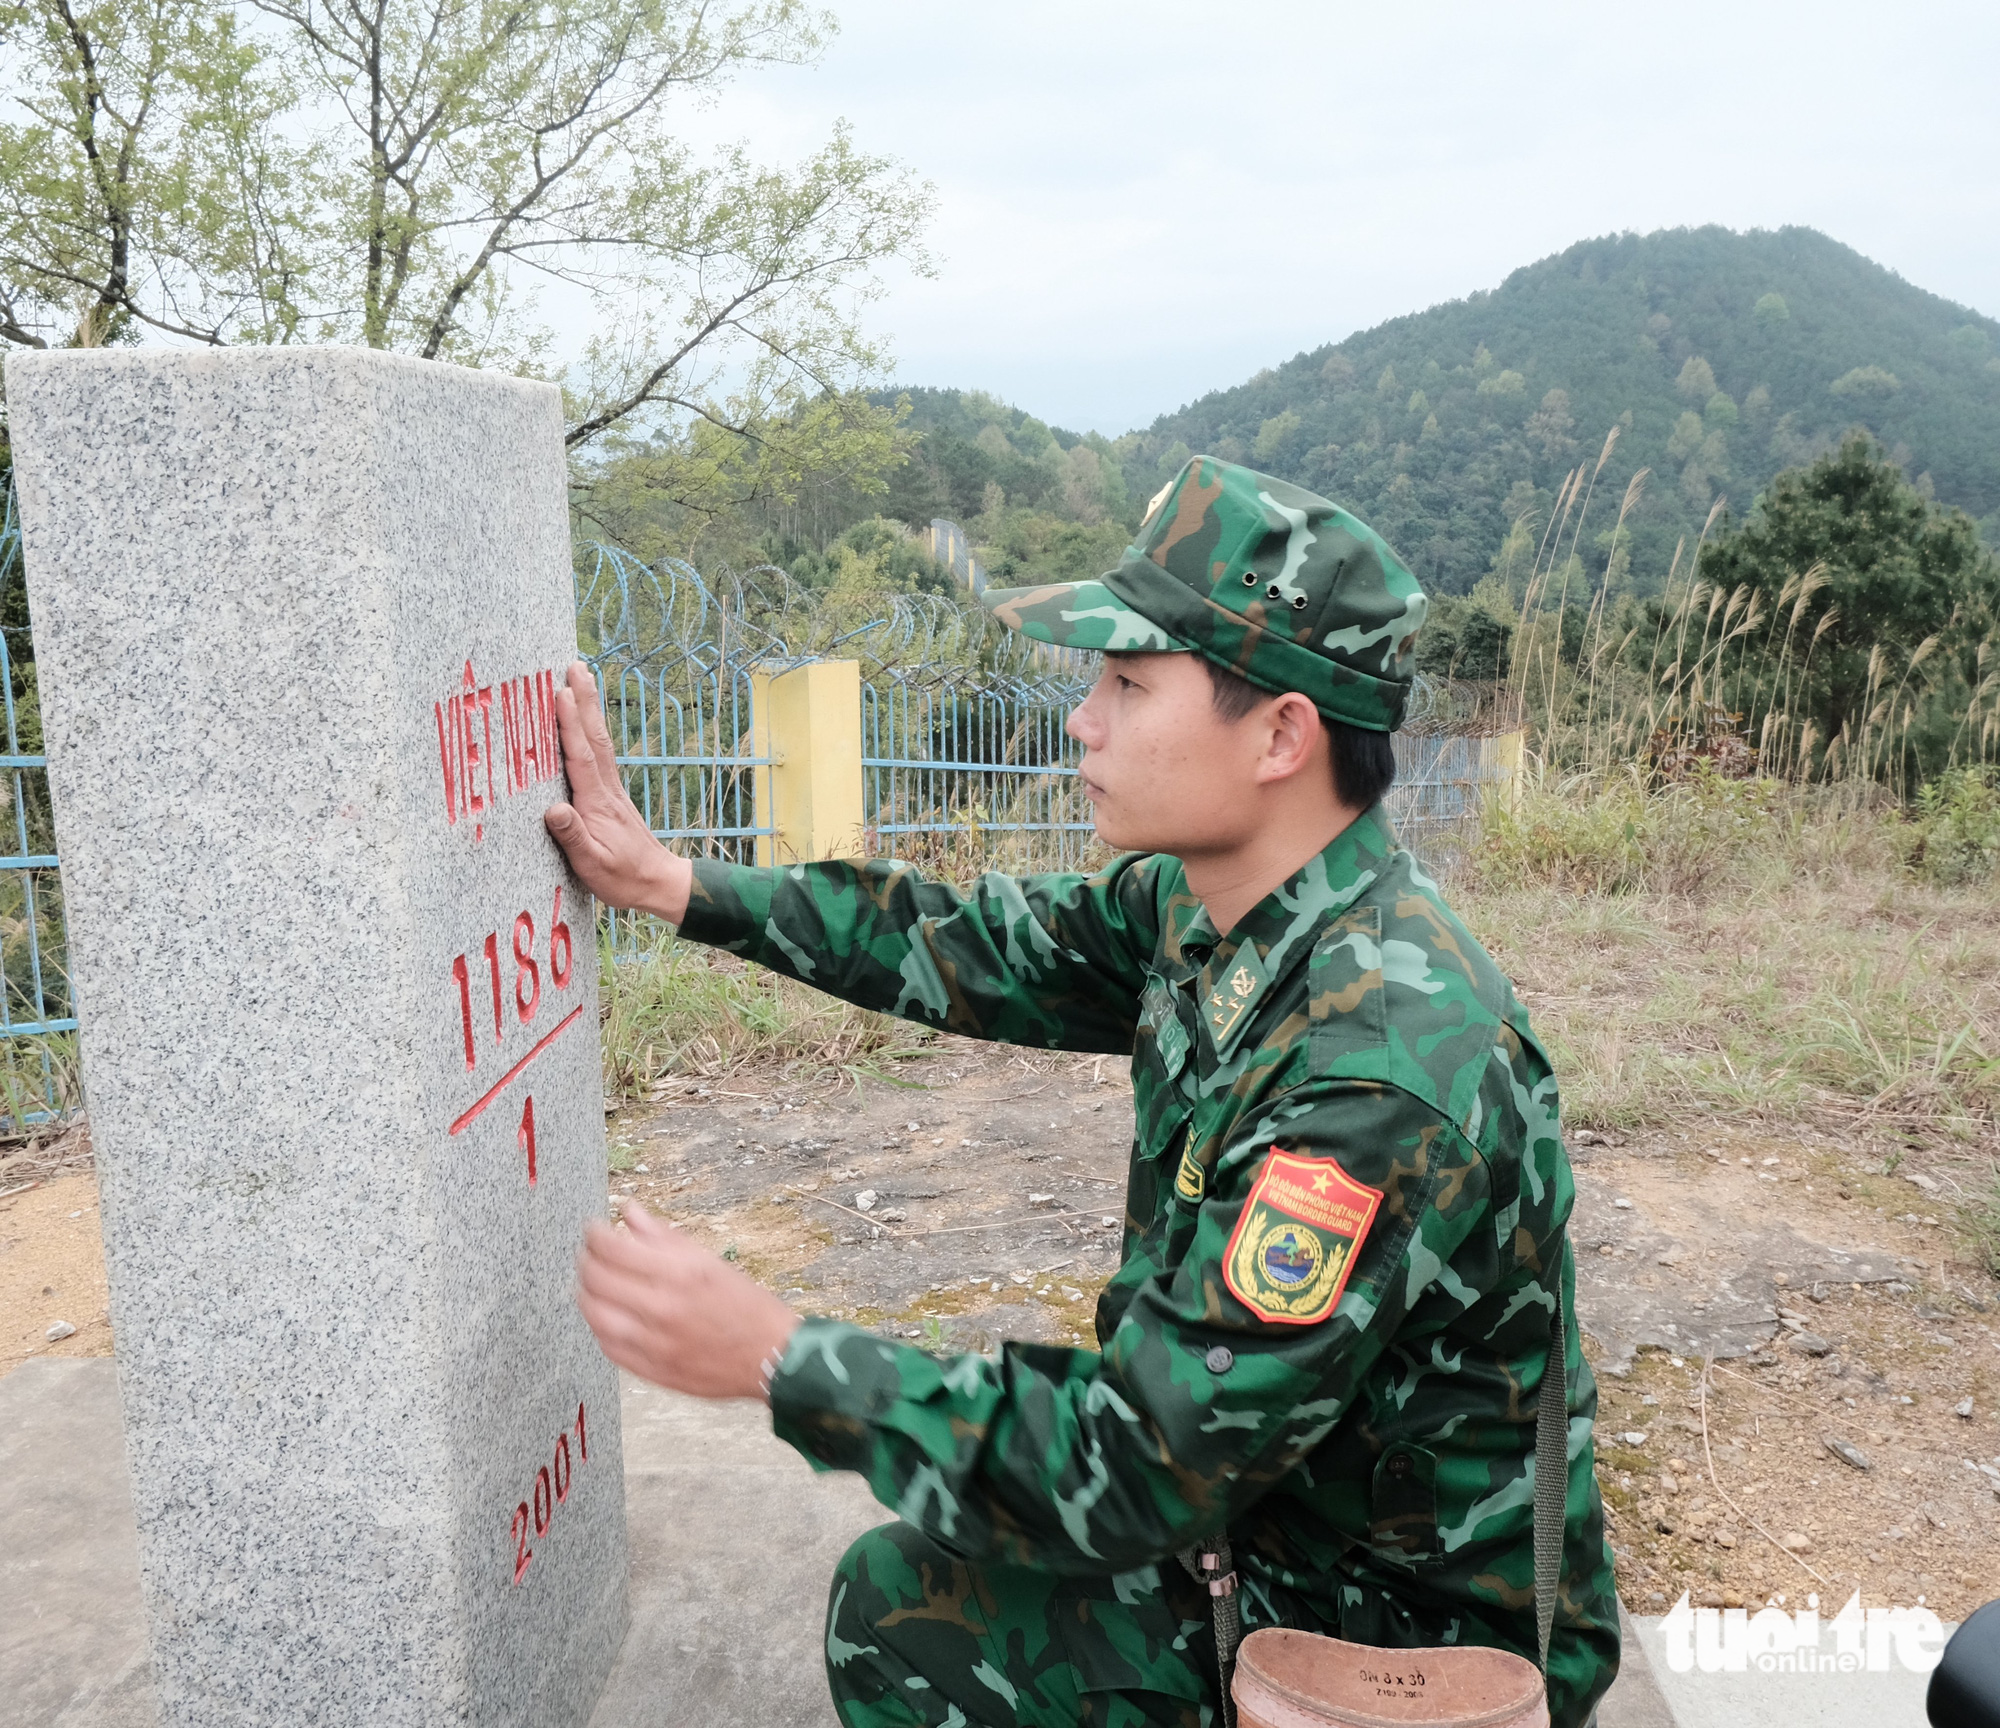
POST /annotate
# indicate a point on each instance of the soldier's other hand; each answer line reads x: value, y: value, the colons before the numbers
x: 674, y: 1313
x: 600, y: 830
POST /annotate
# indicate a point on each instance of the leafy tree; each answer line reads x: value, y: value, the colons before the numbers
x: 873, y: 558
x: 1275, y: 436
x: 1697, y: 379
x: 1550, y: 427
x: 1026, y: 546
x: 404, y: 173
x: 1866, y: 381
x: 1900, y: 606
x: 709, y: 492
x: 1465, y: 638
x: 146, y: 187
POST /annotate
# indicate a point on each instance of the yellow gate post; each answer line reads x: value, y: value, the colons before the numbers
x: 1502, y: 758
x: 808, y: 722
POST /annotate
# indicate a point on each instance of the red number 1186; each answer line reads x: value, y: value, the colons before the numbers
x: 527, y: 990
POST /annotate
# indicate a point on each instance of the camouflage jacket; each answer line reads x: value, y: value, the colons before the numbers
x: 1344, y: 1206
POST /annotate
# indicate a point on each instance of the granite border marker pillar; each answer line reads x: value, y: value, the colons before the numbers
x: 300, y: 615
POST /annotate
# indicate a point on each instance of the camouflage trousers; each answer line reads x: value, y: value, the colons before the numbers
x: 916, y: 1638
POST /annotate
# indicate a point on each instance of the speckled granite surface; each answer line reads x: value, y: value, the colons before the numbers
x: 291, y: 607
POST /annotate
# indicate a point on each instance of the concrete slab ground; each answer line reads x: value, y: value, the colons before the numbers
x: 72, y: 1633
x: 1697, y: 1700
x: 732, y: 1541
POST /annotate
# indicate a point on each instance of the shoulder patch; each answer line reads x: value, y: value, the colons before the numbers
x: 1294, y: 1245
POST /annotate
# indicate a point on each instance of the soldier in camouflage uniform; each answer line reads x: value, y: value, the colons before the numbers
x: 1344, y: 1219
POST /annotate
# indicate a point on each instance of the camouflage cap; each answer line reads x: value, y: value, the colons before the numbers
x: 1262, y: 577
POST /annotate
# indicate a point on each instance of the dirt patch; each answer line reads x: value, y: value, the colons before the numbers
x: 978, y: 1196
x: 1756, y: 1304
x: 1820, y: 1280
x: 52, y: 1272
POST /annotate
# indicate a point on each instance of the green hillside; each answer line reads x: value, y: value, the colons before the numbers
x: 970, y: 443
x: 1721, y: 357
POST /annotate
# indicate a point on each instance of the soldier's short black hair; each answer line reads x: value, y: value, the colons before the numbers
x: 1364, y: 763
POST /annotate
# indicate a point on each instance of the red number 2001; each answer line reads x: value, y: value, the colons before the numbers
x: 552, y: 1485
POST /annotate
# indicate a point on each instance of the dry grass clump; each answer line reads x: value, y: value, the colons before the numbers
x: 1739, y: 947
x: 1624, y: 831
x: 965, y: 848
x: 674, y: 1008
x: 40, y: 1078
x: 1726, y: 674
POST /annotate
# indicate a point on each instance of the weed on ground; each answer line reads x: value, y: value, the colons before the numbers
x: 675, y: 1010
x: 1725, y: 950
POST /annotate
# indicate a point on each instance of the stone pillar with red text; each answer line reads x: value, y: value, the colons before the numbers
x: 300, y: 615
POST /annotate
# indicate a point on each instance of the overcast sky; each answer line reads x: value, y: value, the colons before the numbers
x: 1142, y: 202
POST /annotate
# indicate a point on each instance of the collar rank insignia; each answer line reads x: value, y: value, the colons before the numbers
x: 1191, y: 1179
x: 1294, y: 1245
x: 1228, y: 1003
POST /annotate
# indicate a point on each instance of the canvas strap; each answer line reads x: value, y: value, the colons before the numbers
x: 1213, y: 1565
x: 1551, y: 1465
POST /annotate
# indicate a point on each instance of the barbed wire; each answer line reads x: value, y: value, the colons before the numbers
x: 669, y: 619
x: 671, y: 623
x: 1451, y: 707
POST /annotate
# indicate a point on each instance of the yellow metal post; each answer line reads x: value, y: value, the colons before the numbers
x: 808, y: 722
x: 1501, y: 760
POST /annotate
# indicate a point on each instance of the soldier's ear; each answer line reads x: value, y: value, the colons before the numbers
x: 1293, y: 729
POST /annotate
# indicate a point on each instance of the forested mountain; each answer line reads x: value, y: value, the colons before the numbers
x: 1038, y: 501
x: 1721, y: 358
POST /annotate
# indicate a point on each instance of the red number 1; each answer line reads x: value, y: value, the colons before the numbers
x: 464, y: 1004
x: 493, y: 966
x: 525, y: 1139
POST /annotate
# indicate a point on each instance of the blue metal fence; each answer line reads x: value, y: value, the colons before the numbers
x: 964, y: 752
x: 987, y: 770
x: 962, y: 720
x: 675, y: 655
x: 37, y: 1018
x: 1442, y: 783
x: 1459, y: 745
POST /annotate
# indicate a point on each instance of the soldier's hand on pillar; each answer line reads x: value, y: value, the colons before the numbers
x: 675, y: 1313
x: 600, y: 829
